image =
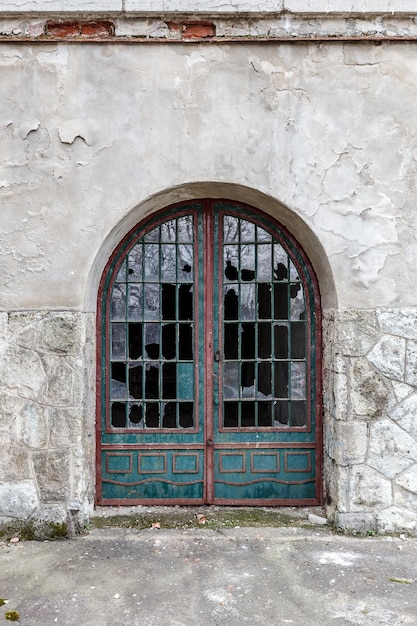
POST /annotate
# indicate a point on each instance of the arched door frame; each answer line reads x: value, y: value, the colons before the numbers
x: 255, y: 214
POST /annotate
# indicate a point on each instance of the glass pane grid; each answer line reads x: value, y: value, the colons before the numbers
x: 152, y: 331
x: 264, y: 331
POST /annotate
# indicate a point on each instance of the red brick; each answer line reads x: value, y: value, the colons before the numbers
x: 97, y: 29
x: 198, y: 31
x: 62, y: 29
x: 174, y: 26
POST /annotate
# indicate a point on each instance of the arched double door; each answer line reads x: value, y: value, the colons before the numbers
x: 209, y: 385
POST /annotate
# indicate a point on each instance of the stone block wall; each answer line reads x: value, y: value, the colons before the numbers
x: 46, y: 416
x: 370, y: 421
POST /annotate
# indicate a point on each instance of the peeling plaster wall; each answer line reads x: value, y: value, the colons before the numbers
x: 93, y: 134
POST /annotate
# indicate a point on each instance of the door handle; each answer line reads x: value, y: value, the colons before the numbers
x: 210, y: 442
x: 217, y: 356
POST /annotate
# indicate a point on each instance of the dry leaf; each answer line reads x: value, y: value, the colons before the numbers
x: 201, y: 519
x: 14, y: 540
x: 156, y: 525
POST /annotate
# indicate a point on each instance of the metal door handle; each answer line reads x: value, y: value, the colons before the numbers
x: 217, y: 356
x: 210, y: 442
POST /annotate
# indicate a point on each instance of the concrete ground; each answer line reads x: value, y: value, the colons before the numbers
x: 300, y: 575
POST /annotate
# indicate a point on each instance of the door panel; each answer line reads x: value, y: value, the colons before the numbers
x: 208, y: 323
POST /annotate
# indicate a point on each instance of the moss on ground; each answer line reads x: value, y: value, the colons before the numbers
x: 30, y: 531
x: 184, y: 518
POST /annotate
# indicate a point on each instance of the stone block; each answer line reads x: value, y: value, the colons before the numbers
x: 400, y: 322
x: 66, y: 427
x: 356, y: 522
x: 60, y: 381
x: 368, y: 490
x: 14, y: 459
x: 391, y: 450
x: 31, y: 426
x: 52, y: 469
x: 388, y: 356
x: 21, y: 370
x: 370, y: 394
x: 405, y: 415
x: 396, y: 519
x: 18, y: 499
x: 358, y: 332
x: 10, y: 407
x: 411, y: 363
x: 61, y: 333
x: 349, y: 443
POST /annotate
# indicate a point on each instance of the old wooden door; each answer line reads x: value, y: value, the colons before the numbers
x: 209, y: 384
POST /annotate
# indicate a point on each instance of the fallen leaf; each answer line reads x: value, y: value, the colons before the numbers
x: 14, y: 540
x: 156, y: 525
x: 201, y: 519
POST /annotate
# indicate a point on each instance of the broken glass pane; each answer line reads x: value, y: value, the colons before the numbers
x: 281, y: 413
x: 185, y: 228
x: 247, y: 263
x: 298, y: 414
x: 230, y: 229
x: 248, y: 379
x: 134, y: 311
x: 297, y: 304
x: 185, y: 267
x: 169, y: 341
x: 168, y: 262
x: 118, y: 415
x: 118, y: 302
x: 264, y: 269
x: 118, y: 341
x: 152, y: 341
x: 185, y: 342
x: 136, y: 414
x: 185, y: 302
x: 152, y: 310
x: 264, y: 340
x: 152, y: 380
x: 186, y: 411
x: 247, y: 302
x: 281, y: 301
x: 118, y: 390
x: 281, y: 380
x: 152, y: 415
x: 247, y: 231
x: 298, y: 347
x: 247, y: 414
x: 231, y: 303
x: 265, y: 414
x: 134, y: 273
x: 168, y: 302
x: 280, y: 263
x: 151, y: 261
x: 264, y: 301
x: 135, y: 381
x: 169, y: 418
x: 231, y: 414
x: 231, y: 263
x: 168, y: 231
x: 231, y: 380
x: 231, y: 332
x: 169, y: 380
x: 281, y: 341
x: 298, y: 381
x: 264, y: 380
x: 135, y: 340
x: 248, y: 341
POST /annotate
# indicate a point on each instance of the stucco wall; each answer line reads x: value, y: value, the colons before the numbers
x: 320, y: 135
